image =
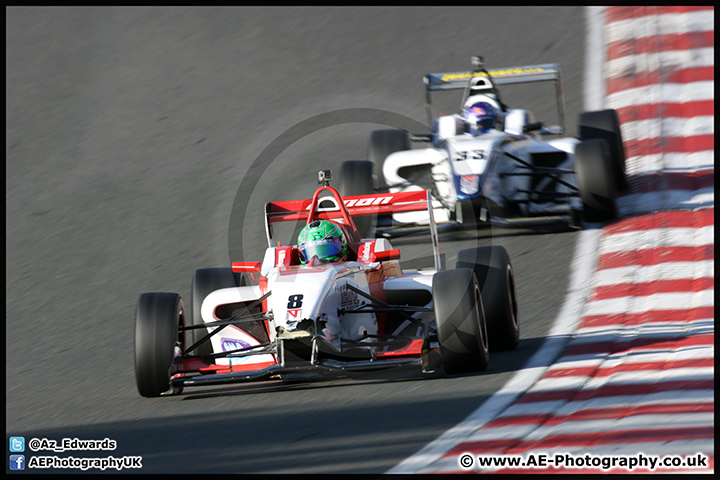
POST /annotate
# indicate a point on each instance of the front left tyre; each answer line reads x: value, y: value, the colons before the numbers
x: 159, y: 317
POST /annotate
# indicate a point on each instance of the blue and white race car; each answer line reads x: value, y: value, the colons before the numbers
x: 491, y: 163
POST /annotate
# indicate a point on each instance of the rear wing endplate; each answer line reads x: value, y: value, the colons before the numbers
x: 500, y: 76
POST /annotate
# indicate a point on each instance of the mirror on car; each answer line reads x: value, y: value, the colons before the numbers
x: 531, y: 127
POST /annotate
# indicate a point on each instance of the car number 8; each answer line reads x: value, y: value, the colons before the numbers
x: 295, y: 301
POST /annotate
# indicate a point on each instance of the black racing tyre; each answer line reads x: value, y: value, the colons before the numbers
x: 460, y: 321
x: 595, y: 180
x: 470, y: 211
x: 158, y: 317
x: 494, y: 274
x: 356, y: 178
x: 606, y: 125
x: 382, y: 144
x: 204, y: 282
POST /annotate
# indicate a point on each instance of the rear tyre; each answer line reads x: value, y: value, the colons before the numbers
x: 356, y: 178
x: 471, y: 211
x: 595, y: 179
x: 158, y: 317
x: 494, y: 274
x: 606, y: 125
x: 382, y: 144
x: 204, y: 282
x: 460, y: 320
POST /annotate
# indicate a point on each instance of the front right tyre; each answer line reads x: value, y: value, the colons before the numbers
x: 605, y: 124
x: 596, y: 180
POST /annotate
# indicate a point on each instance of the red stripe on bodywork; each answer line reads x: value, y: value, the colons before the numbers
x: 413, y: 349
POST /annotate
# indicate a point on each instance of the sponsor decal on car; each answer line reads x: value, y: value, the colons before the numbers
x: 495, y: 73
x: 294, y: 314
x: 365, y: 202
x: 281, y: 254
x: 366, y: 251
x: 229, y: 344
x: 354, y: 202
x: 469, y: 184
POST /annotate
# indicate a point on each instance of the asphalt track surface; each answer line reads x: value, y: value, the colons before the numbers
x: 128, y: 133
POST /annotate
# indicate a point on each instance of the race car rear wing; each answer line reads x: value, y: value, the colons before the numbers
x: 334, y: 207
x: 500, y: 76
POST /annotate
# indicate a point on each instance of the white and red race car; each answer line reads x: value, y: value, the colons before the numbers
x: 363, y: 313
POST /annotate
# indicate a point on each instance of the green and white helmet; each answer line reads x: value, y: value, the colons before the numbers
x: 323, y: 239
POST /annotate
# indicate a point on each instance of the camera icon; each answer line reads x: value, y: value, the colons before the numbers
x: 17, y: 444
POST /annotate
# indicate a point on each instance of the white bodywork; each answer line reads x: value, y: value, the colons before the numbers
x: 309, y: 292
x: 473, y: 174
x: 461, y: 156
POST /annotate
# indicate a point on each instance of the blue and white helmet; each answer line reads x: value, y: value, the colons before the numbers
x: 480, y: 116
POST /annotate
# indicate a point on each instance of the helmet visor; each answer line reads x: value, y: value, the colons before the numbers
x: 327, y: 250
x: 485, y: 122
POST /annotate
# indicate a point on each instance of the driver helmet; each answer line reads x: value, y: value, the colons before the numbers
x: 323, y: 239
x: 481, y: 117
